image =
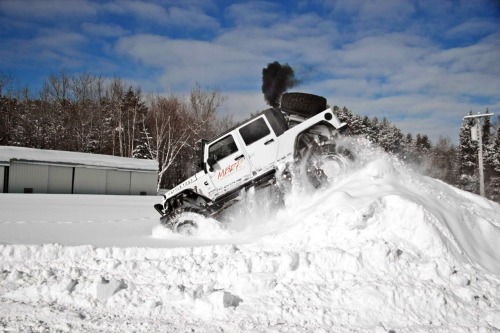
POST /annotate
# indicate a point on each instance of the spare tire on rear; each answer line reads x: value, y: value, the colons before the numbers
x: 306, y: 105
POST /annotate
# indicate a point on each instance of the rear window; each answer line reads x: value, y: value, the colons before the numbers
x: 254, y: 131
x: 277, y: 121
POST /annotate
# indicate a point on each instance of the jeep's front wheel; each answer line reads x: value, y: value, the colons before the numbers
x: 183, y: 220
x: 187, y: 228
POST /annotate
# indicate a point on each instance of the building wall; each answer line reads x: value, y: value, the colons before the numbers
x: 118, y: 182
x: 89, y: 181
x: 143, y: 182
x: 60, y: 179
x: 64, y: 179
x: 25, y: 177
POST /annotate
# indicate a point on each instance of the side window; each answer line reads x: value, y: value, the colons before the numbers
x: 222, y: 148
x: 254, y: 131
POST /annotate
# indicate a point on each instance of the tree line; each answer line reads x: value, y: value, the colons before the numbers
x: 454, y: 164
x: 89, y: 113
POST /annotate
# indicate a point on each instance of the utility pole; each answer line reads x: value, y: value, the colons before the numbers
x: 477, y: 135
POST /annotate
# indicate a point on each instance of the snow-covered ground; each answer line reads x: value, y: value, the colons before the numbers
x: 384, y: 249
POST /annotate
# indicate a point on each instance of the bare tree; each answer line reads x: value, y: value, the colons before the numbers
x: 170, y: 131
x: 116, y: 91
x: 10, y: 96
x: 58, y: 88
x: 175, y: 128
x: 82, y: 87
x: 203, y: 106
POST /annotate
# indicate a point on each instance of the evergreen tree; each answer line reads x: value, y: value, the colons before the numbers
x: 493, y: 181
x: 390, y: 137
x: 488, y: 151
x: 442, y: 159
x: 423, y: 143
x: 132, y: 111
x: 408, y: 152
x: 345, y: 115
x: 373, y: 130
x: 486, y: 128
x: 143, y: 147
x: 357, y: 125
x: 422, y: 154
x: 467, y: 158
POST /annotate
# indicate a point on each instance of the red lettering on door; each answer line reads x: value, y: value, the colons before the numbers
x: 230, y: 169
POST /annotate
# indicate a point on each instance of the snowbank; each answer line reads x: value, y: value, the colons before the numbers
x: 382, y: 250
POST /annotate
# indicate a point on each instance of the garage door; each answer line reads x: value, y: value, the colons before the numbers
x: 28, y: 178
x: 60, y: 179
x: 143, y: 183
x: 118, y: 182
x: 89, y: 181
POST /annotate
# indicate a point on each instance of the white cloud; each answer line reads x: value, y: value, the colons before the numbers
x: 184, y: 62
x: 63, y: 40
x: 34, y: 9
x: 243, y: 103
x: 481, y: 56
x: 61, y: 47
x: 394, y: 10
x: 139, y: 9
x: 474, y: 27
x: 413, y: 113
x: 103, y: 30
x: 191, y: 18
x: 376, y: 14
x: 379, y: 55
x: 182, y: 14
x: 253, y: 13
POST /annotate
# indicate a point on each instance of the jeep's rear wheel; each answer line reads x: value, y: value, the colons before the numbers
x: 303, y: 104
x: 322, y: 170
x: 319, y: 164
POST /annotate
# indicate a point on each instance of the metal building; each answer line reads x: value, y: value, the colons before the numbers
x: 27, y: 170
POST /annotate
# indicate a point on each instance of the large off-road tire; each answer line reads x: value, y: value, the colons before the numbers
x: 319, y: 165
x: 324, y: 169
x: 183, y: 220
x: 306, y: 105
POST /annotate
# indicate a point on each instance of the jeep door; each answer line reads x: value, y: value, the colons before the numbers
x: 229, y: 164
x: 261, y: 144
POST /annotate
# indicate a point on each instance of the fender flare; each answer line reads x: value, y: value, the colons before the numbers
x: 330, y: 131
x: 188, y: 197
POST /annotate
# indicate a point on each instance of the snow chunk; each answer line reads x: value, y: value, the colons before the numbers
x: 107, y: 288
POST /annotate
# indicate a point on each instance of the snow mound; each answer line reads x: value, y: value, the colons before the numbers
x: 384, y: 249
x: 385, y: 200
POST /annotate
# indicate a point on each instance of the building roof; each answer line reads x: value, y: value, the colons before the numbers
x: 9, y: 153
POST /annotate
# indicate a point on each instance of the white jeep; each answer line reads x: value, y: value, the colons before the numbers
x: 299, y: 138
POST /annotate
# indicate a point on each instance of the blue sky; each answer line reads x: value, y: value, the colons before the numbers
x: 422, y: 64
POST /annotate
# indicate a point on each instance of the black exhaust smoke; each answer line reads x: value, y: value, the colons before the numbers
x: 276, y: 79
